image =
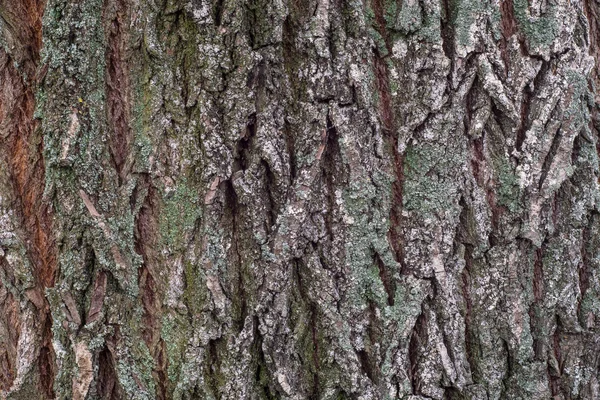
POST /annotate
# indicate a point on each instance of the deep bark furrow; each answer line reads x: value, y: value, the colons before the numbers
x: 21, y: 146
x: 118, y: 85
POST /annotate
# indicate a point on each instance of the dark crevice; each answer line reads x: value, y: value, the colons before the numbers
x: 293, y: 57
x: 96, y: 291
x: 9, y: 316
x: 218, y: 12
x: 523, y: 125
x: 555, y: 375
x: 380, y: 23
x: 391, y: 139
x: 387, y: 279
x: 21, y: 150
x: 550, y: 157
x: 536, y: 308
x: 314, y: 318
x: 388, y: 124
x: 508, y: 26
x: 329, y: 171
x: 386, y: 113
x: 588, y: 243
x: 528, y: 97
x: 262, y: 374
x: 577, y: 147
x: 499, y: 116
x: 251, y: 21
x: 509, y: 367
x: 271, y: 204
x: 418, y: 338
x: 333, y: 174
x: 145, y: 241
x: 47, y: 361
x: 290, y: 143
x: 470, y: 330
x: 240, y: 305
x: 244, y: 144
x: 447, y: 30
x: 471, y: 102
x: 160, y: 371
x: 478, y: 161
x: 538, y: 275
x: 213, y: 365
x: 365, y: 364
x: 107, y: 385
x: 297, y: 264
x: 312, y: 311
x: 395, y: 236
x: 117, y: 90
x: 375, y: 336
x: 541, y: 75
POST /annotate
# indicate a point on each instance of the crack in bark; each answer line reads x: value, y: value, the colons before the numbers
x: 261, y: 377
x: 447, y: 31
x: 555, y: 376
x: 537, y: 305
x: 387, y: 279
x: 391, y: 138
x: 418, y: 336
x: 213, y: 365
x: 549, y: 157
x: 314, y: 335
x: 333, y: 173
x: 107, y: 385
x: 584, y: 270
x: 271, y: 205
x: 146, y: 241
x: 117, y: 88
x: 508, y: 26
x: 8, y: 346
x: 239, y: 295
x: 22, y: 146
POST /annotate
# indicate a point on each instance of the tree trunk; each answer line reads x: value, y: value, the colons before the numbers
x: 317, y: 199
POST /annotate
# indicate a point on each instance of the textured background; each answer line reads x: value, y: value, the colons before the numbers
x: 299, y: 199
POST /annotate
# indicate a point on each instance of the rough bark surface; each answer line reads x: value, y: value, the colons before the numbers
x: 299, y: 199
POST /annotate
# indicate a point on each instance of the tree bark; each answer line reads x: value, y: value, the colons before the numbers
x: 317, y: 199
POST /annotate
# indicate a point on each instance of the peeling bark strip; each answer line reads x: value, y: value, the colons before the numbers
x: 299, y: 199
x: 21, y: 152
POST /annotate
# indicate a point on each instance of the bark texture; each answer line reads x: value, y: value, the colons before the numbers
x: 299, y: 199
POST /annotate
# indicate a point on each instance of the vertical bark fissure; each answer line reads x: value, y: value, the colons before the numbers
x: 584, y: 270
x: 315, y: 342
x: 417, y: 340
x: 536, y: 307
x: 555, y: 375
x: 21, y: 145
x: 332, y: 173
x: 145, y: 241
x: 447, y: 30
x: 239, y: 296
x: 508, y: 27
x: 8, y: 349
x: 118, y: 87
x: 107, y: 385
x: 388, y: 123
x: 387, y: 279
